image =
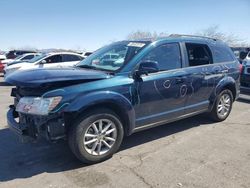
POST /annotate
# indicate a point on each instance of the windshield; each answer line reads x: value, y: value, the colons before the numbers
x: 112, y: 57
x: 37, y: 58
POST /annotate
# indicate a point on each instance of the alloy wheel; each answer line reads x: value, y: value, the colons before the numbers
x: 99, y: 137
x: 224, y: 105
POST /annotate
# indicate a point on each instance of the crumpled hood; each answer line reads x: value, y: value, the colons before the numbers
x: 61, y: 76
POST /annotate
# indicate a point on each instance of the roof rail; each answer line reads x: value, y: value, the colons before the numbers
x: 195, y: 36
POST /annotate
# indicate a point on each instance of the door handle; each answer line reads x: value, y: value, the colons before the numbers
x: 179, y: 80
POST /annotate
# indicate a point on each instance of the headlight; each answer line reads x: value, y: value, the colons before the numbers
x: 37, y: 105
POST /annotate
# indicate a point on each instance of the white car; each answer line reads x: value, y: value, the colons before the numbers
x: 24, y: 57
x: 48, y: 60
x: 248, y: 56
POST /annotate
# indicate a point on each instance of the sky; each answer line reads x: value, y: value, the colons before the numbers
x: 90, y: 24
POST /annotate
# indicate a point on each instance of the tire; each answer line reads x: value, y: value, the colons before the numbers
x: 88, y: 139
x: 217, y: 112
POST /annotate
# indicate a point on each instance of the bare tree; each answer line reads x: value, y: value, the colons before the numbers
x: 231, y: 39
x: 145, y: 34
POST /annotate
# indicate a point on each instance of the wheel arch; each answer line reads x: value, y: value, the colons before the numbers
x: 226, y: 83
x: 112, y: 101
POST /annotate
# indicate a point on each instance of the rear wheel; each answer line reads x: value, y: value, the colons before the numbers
x: 223, y: 106
x: 96, y: 136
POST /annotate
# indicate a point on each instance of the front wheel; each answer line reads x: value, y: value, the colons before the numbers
x: 222, y: 106
x: 96, y: 136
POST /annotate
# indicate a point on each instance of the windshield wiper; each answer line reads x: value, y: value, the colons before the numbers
x: 95, y: 68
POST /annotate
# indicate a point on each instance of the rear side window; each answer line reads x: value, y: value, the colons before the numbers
x: 168, y: 56
x: 28, y: 57
x: 222, y: 54
x: 198, y: 54
x: 67, y: 58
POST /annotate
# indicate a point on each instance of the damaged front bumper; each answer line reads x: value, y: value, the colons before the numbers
x: 30, y: 127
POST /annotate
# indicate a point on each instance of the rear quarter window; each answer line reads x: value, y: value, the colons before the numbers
x: 222, y: 54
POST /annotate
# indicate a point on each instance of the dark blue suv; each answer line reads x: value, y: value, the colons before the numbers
x: 123, y: 88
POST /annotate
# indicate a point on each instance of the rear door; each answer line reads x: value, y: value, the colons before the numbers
x: 224, y: 62
x: 69, y: 60
x: 199, y: 67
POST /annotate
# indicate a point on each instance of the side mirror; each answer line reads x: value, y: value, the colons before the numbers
x: 43, y: 62
x: 147, y: 67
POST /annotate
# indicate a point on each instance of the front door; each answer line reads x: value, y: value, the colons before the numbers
x: 161, y: 96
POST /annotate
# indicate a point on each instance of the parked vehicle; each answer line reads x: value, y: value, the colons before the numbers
x: 248, y: 56
x: 14, y: 53
x: 86, y: 54
x: 2, y: 56
x: 47, y: 60
x: 245, y: 77
x: 95, y: 105
x: 1, y: 67
x: 24, y: 57
x: 241, y: 53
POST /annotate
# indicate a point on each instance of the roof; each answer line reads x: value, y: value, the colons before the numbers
x: 62, y: 53
x: 180, y: 38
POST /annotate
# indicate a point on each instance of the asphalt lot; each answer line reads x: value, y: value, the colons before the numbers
x: 190, y: 153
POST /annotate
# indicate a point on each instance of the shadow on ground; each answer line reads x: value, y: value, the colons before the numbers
x: 19, y: 160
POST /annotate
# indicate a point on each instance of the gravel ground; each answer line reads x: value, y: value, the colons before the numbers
x: 190, y: 153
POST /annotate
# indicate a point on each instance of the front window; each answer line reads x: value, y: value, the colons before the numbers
x: 112, y: 57
x: 37, y: 58
x: 167, y: 56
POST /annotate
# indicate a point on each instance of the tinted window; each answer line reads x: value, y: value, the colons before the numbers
x: 28, y: 57
x: 54, y: 59
x: 168, y: 56
x: 67, y: 58
x: 198, y: 54
x: 222, y: 54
